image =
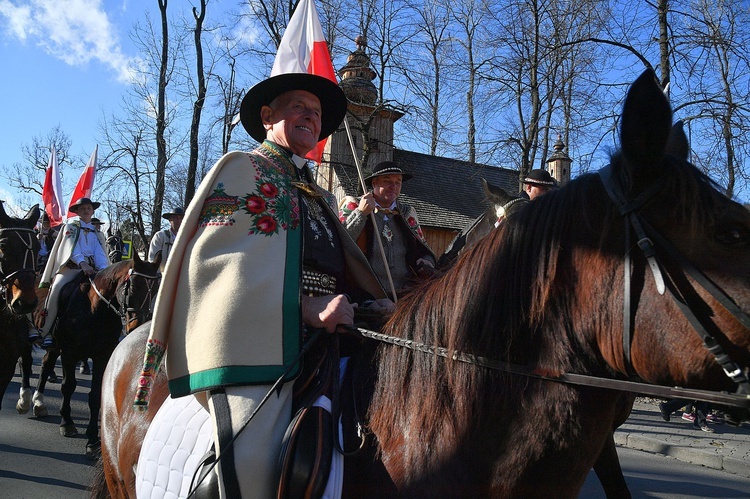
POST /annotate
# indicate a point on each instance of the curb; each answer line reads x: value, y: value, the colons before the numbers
x: 710, y: 459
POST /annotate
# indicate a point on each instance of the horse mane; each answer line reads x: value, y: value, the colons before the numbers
x: 108, y: 278
x: 510, y: 298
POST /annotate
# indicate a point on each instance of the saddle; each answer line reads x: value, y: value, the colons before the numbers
x: 321, y: 400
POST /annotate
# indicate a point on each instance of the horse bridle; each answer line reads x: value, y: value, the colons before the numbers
x: 679, y: 287
x: 126, y: 309
x: 29, y: 259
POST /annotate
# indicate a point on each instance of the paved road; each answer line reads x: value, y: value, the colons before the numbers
x: 35, y: 460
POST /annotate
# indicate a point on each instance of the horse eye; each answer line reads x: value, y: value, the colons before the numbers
x: 732, y: 236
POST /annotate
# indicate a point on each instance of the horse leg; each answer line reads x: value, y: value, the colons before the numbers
x: 48, y: 366
x: 67, y: 427
x: 609, y: 471
x: 24, y: 399
x: 93, y: 445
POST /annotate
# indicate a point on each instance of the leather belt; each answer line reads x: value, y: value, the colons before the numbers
x: 316, y: 283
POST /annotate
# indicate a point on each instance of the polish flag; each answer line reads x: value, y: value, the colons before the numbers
x: 85, y: 183
x: 303, y: 49
x: 51, y: 193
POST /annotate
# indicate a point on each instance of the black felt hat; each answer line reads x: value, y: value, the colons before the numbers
x: 74, y: 207
x: 332, y: 101
x: 387, y: 168
x: 540, y: 177
x: 175, y: 211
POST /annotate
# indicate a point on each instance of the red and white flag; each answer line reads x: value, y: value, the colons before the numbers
x: 303, y: 49
x: 86, y: 183
x: 52, y: 192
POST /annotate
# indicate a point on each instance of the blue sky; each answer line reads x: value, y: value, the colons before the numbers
x: 65, y: 62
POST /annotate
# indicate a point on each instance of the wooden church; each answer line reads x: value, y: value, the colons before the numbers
x: 446, y: 193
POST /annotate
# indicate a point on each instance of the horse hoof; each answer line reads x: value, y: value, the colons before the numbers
x: 24, y: 401
x: 68, y: 430
x: 93, y: 451
x: 40, y: 411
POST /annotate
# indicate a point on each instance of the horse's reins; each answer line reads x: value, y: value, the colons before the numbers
x: 569, y: 378
x: 678, y: 286
x: 125, y: 308
x: 28, y: 256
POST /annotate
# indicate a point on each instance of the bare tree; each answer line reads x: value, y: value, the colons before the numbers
x: 161, y: 118
x: 28, y: 176
x: 199, y: 17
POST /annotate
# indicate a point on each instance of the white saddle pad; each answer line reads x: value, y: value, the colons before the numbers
x: 177, y: 439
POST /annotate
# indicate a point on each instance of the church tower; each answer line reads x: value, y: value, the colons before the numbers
x: 371, y: 128
x: 558, y: 164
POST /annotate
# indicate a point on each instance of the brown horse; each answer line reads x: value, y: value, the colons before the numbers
x: 545, y: 292
x: 19, y: 248
x: 89, y: 326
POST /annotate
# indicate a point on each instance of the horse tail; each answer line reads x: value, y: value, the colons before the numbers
x: 98, y: 486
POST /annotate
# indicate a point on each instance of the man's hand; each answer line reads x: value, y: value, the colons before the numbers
x: 327, y: 311
x: 384, y: 305
x: 87, y: 269
x: 367, y: 203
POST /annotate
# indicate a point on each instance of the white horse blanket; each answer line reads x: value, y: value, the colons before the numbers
x: 179, y: 437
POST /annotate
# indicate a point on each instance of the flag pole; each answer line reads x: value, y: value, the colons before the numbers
x: 372, y: 213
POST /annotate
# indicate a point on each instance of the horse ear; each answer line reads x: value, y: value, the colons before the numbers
x: 678, y: 145
x: 136, y: 257
x: 32, y: 215
x: 494, y: 193
x: 646, y: 123
x: 3, y: 216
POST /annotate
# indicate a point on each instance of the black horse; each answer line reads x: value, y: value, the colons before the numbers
x: 19, y: 248
x: 115, y: 246
x: 500, y: 205
x: 89, y: 325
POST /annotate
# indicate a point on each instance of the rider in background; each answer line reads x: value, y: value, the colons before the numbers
x: 406, y: 251
x: 164, y: 239
x: 101, y: 236
x: 76, y: 248
x: 537, y: 183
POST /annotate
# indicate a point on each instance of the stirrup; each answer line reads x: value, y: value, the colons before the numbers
x: 208, y: 479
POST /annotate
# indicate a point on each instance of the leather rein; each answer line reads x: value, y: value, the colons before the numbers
x: 125, y: 306
x: 679, y: 288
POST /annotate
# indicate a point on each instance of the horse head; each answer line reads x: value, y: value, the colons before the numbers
x: 115, y: 246
x: 140, y: 291
x: 701, y: 245
x: 501, y: 204
x: 19, y: 248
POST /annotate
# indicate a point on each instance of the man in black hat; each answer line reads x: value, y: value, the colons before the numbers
x: 101, y: 236
x: 259, y: 256
x: 164, y: 239
x: 406, y: 251
x: 537, y: 183
x: 76, y: 249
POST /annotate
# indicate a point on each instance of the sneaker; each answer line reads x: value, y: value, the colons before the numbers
x: 34, y: 336
x: 687, y: 416
x: 85, y: 368
x: 713, y: 418
x: 664, y: 414
x: 48, y: 342
x: 703, y: 427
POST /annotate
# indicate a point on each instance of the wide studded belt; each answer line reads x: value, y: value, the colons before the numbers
x: 316, y: 283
